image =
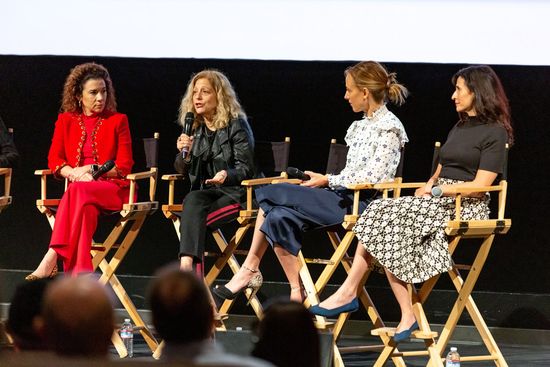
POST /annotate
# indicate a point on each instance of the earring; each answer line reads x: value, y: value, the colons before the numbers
x: 79, y: 103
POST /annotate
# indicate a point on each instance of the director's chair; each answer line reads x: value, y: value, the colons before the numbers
x: 5, y: 199
x: 272, y: 159
x: 120, y: 239
x: 457, y: 230
x: 335, y: 163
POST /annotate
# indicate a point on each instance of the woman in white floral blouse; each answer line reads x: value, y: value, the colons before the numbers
x: 287, y: 210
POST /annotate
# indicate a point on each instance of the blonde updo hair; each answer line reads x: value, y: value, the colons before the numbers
x: 382, y: 85
x: 228, y: 107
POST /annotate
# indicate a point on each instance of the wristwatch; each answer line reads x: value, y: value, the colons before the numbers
x: 437, y: 192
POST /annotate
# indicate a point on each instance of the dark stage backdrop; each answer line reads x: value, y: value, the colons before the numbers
x: 303, y: 100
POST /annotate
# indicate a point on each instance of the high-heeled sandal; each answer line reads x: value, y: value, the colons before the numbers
x: 253, y: 284
x: 31, y: 277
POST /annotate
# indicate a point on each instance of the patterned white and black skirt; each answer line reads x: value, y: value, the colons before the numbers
x: 407, y: 235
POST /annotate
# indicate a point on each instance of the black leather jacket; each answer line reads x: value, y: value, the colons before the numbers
x: 232, y: 150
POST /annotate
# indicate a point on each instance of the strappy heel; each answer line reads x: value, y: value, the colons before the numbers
x: 253, y: 284
x: 31, y: 277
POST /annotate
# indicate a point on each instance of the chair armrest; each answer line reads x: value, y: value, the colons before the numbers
x: 403, y: 185
x: 6, y: 172
x: 140, y: 175
x: 43, y: 172
x: 133, y: 177
x: 260, y: 181
x: 294, y: 181
x: 361, y: 186
x: 469, y: 190
x: 249, y: 185
x: 173, y: 177
x: 386, y: 185
x: 458, y: 192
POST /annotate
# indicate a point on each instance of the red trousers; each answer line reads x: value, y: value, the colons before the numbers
x: 76, y: 220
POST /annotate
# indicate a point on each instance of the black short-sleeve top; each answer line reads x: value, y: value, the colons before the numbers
x: 473, y: 144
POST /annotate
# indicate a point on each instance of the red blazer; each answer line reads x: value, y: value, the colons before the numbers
x: 112, y: 141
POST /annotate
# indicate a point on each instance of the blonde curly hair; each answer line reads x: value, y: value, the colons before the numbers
x: 228, y: 104
x: 74, y: 85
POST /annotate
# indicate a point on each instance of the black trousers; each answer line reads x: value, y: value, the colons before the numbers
x: 196, y: 207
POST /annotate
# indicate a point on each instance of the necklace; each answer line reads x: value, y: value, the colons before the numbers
x: 84, y: 136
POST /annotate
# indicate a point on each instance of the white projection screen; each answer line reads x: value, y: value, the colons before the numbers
x: 444, y: 31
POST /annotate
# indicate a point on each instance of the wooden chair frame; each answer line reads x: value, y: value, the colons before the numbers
x: 118, y: 243
x: 5, y: 199
x: 457, y: 230
x: 246, y: 220
x: 340, y: 257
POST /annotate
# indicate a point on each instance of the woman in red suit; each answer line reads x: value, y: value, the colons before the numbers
x: 88, y: 132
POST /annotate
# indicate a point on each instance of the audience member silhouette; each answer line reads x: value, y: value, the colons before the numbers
x: 287, y: 336
x: 24, y: 312
x: 184, y: 318
x: 78, y: 318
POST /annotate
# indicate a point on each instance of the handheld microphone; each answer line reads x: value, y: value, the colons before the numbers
x: 187, y: 125
x: 296, y: 173
x: 106, y: 167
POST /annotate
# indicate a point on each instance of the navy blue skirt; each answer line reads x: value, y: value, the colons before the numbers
x: 291, y: 210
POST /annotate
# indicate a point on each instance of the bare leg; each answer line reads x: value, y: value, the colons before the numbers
x: 48, y: 262
x: 348, y: 290
x: 291, y: 266
x: 186, y: 263
x: 401, y: 293
x: 257, y: 250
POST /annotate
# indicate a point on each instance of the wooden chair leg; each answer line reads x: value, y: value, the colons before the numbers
x: 128, y: 305
x: 108, y: 276
x: 340, y: 257
x: 119, y: 345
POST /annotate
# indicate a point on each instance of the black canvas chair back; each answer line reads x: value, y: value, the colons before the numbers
x: 271, y: 157
x: 151, y: 148
x: 337, y: 156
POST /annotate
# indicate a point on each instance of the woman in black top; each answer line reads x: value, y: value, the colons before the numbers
x: 406, y: 235
x: 220, y: 155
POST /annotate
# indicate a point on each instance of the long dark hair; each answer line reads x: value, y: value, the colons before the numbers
x: 490, y: 101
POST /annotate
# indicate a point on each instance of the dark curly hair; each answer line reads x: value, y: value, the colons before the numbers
x: 79, y: 75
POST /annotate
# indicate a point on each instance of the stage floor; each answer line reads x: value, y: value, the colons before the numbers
x: 515, y: 355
